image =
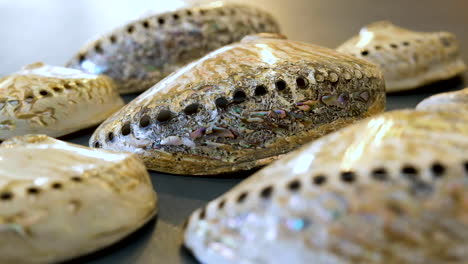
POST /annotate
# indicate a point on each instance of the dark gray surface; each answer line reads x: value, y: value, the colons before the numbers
x: 53, y: 30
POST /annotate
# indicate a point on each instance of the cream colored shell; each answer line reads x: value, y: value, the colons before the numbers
x: 450, y: 101
x: 408, y: 59
x: 59, y: 200
x: 391, y: 189
x: 43, y: 99
x: 141, y: 53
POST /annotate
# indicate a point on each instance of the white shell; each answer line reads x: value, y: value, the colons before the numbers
x: 407, y: 58
x: 59, y: 200
x: 450, y: 101
x: 391, y: 189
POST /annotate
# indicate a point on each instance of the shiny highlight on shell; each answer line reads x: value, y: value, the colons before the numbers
x: 56, y: 101
x: 391, y: 189
x: 143, y: 52
x: 255, y: 100
x: 57, y: 199
x: 407, y: 58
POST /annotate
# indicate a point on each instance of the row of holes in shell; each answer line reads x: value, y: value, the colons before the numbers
x: 44, y: 93
x: 161, y: 21
x: 365, y: 52
x: 437, y: 169
x: 239, y: 96
x: 8, y: 195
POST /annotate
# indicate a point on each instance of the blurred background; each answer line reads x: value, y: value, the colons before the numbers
x: 53, y: 30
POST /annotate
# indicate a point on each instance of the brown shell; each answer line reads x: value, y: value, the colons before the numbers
x: 143, y: 52
x: 389, y: 190
x: 407, y: 58
x: 60, y: 200
x: 243, y: 105
x: 43, y: 99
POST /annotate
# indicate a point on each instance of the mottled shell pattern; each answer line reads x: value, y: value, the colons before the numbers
x: 408, y: 59
x: 392, y: 189
x: 55, y: 101
x: 59, y: 200
x: 143, y: 52
x: 243, y: 105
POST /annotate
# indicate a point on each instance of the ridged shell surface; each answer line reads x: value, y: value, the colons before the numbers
x: 143, y: 52
x: 390, y: 189
x: 408, y: 59
x: 59, y: 200
x: 243, y: 105
x: 43, y: 99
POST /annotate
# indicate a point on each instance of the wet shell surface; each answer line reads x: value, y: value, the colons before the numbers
x: 243, y: 105
x: 59, y: 200
x: 408, y: 59
x: 392, y: 189
x: 143, y: 52
x: 43, y: 99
